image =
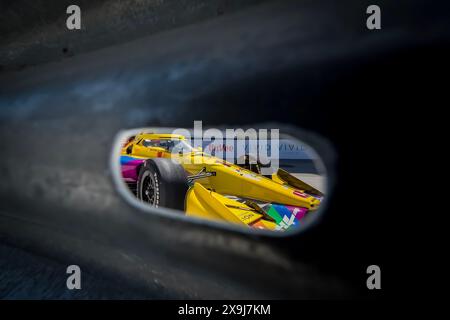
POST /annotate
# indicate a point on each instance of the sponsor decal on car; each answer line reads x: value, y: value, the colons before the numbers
x: 300, y: 194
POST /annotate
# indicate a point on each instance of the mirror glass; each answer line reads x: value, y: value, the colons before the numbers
x: 254, y: 179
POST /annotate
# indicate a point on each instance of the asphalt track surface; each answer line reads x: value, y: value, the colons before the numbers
x: 24, y: 275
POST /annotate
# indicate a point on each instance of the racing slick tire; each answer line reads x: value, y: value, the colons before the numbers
x: 162, y: 183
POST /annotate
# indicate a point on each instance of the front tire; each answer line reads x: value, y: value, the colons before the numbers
x: 162, y: 183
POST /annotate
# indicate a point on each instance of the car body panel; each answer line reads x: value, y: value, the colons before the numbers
x: 211, y: 197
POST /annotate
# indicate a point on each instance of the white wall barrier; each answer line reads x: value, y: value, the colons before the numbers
x: 287, y: 149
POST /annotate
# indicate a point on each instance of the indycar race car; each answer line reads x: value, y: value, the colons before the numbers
x: 164, y: 170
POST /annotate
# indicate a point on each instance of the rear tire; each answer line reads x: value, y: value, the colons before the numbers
x: 162, y: 183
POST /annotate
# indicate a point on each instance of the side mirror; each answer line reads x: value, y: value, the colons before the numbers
x: 291, y: 188
x: 130, y: 149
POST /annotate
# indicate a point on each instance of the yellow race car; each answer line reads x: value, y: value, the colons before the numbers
x: 164, y: 170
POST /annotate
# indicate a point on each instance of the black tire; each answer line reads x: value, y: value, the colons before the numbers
x: 162, y: 183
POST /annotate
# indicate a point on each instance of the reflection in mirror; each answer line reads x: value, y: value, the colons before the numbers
x: 256, y: 179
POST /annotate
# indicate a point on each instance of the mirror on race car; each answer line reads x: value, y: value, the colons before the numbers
x: 254, y: 179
